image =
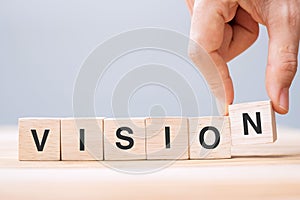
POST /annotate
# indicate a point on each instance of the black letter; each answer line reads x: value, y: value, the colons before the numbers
x: 257, y: 128
x: 122, y: 137
x: 167, y: 137
x: 40, y: 147
x: 217, y: 137
x: 81, y: 139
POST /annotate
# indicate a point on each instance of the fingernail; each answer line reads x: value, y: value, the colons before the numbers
x: 284, y: 99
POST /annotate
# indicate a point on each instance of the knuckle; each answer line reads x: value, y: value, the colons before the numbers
x: 289, y: 67
x: 289, y: 51
x: 288, y: 61
x: 195, y: 51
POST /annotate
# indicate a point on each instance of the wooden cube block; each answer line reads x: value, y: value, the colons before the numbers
x: 124, y: 139
x: 82, y: 139
x: 39, y: 139
x: 252, y: 123
x: 209, y: 138
x: 167, y: 138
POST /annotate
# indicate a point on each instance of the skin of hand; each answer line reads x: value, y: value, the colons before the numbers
x: 225, y: 28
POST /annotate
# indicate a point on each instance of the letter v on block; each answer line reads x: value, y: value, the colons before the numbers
x: 39, y: 139
x: 40, y: 147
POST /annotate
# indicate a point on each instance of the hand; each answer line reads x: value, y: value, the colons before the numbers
x: 225, y: 28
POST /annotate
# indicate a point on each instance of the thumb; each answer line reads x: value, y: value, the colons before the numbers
x: 282, y: 60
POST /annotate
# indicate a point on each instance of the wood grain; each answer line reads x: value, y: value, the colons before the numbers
x: 266, y: 114
x: 28, y: 146
x: 261, y: 171
x: 156, y: 139
x: 92, y: 130
x: 222, y: 150
x: 138, y: 135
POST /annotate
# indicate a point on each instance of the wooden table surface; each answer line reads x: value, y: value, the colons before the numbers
x: 269, y: 171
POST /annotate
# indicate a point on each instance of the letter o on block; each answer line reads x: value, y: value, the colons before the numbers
x: 209, y: 138
x: 202, y: 140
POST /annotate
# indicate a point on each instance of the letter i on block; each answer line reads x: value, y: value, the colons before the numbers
x: 209, y: 138
x: 82, y: 139
x: 39, y: 139
x: 252, y: 123
x: 124, y: 139
x: 167, y: 138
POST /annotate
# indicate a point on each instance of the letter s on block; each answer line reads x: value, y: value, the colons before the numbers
x: 122, y: 137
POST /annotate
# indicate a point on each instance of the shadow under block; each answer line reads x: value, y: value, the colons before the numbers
x: 209, y: 138
x: 39, y: 139
x: 82, y: 139
x: 124, y: 139
x: 252, y: 123
x: 167, y: 138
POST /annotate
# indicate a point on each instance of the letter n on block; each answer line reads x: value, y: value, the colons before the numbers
x: 252, y: 123
x: 39, y: 139
x: 209, y: 138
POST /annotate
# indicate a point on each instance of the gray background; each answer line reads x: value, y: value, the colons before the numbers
x: 43, y: 44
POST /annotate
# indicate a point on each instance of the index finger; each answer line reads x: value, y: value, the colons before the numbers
x: 207, y: 32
